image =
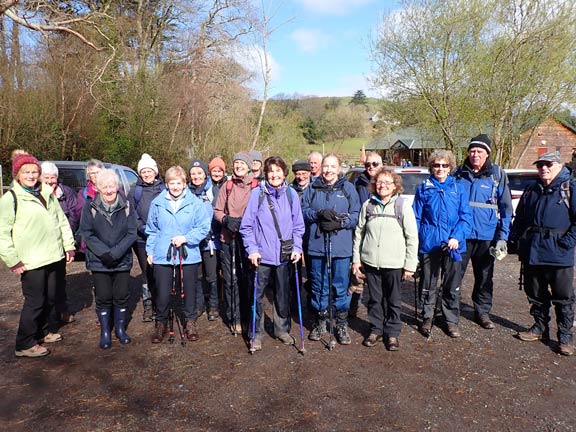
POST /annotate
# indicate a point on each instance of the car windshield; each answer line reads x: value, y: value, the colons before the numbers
x: 520, y: 181
x: 410, y: 181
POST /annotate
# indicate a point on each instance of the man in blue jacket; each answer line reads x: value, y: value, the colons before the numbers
x: 491, y: 204
x: 545, y: 231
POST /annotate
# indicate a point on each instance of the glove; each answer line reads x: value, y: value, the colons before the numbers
x: 327, y: 215
x: 330, y: 225
x: 501, y: 246
x: 512, y: 247
x: 232, y: 223
x: 107, y: 259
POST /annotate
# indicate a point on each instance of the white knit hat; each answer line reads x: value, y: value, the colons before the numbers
x: 146, y: 161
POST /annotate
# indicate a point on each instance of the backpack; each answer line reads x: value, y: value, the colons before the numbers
x: 94, y: 209
x: 398, y: 211
x: 565, y: 192
x: 229, y: 183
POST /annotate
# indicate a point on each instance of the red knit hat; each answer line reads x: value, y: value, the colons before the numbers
x: 23, y: 159
x: 217, y: 162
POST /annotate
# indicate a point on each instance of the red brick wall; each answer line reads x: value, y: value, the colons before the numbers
x: 550, y: 135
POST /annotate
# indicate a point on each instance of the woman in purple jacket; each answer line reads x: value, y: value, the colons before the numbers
x: 272, y: 229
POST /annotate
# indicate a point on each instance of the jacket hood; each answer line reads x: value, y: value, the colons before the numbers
x: 466, y: 168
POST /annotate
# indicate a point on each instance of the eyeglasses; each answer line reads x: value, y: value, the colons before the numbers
x: 544, y: 164
x: 440, y: 165
x: 384, y: 183
x: 371, y: 164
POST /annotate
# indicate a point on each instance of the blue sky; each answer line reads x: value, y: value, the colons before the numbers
x: 324, y: 49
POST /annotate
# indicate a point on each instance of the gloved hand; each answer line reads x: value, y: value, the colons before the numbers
x: 501, y: 246
x: 327, y: 215
x: 512, y: 247
x: 330, y: 225
x: 232, y: 223
x: 107, y: 259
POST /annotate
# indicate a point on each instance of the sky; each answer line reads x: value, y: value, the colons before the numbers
x: 324, y: 49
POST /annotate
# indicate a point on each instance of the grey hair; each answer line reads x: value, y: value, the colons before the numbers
x: 439, y: 154
x: 104, y: 176
x: 48, y: 167
x: 93, y: 163
x: 315, y: 153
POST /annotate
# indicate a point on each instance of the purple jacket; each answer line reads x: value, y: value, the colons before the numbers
x: 257, y: 228
x: 67, y: 199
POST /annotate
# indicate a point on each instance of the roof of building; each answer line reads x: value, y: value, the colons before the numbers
x: 408, y: 138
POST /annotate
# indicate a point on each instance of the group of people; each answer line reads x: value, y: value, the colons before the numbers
x: 211, y: 243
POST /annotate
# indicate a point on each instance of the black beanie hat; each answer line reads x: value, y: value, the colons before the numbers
x: 301, y: 165
x: 481, y: 141
x: 198, y: 163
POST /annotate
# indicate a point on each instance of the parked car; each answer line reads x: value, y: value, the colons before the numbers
x: 519, y: 180
x: 73, y: 174
x: 412, y: 177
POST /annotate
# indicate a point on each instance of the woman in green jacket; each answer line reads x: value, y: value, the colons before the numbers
x: 386, y: 246
x: 35, y: 242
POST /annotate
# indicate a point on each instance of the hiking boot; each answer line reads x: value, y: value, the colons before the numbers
x: 191, y: 331
x: 484, y: 321
x: 285, y: 338
x: 566, y: 349
x: 51, y: 338
x: 426, y: 326
x: 35, y: 351
x: 453, y: 331
x: 159, y: 333
x: 342, y: 334
x: 256, y: 345
x: 319, y: 328
x: 372, y: 340
x: 148, y: 313
x: 393, y: 344
x: 236, y: 329
x: 532, y: 334
x: 213, y: 315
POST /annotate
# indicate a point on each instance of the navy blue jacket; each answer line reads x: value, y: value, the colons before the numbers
x: 149, y: 192
x: 114, y: 235
x: 207, y: 193
x: 491, y: 204
x: 544, y: 225
x: 362, y: 186
x: 342, y: 198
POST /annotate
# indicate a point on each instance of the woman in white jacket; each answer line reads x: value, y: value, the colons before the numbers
x: 386, y: 247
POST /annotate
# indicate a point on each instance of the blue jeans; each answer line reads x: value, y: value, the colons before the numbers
x: 319, y: 283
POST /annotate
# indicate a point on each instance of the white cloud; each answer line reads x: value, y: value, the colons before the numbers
x: 333, y: 7
x: 310, y: 40
x: 250, y: 57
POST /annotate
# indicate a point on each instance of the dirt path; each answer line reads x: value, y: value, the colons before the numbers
x: 487, y: 380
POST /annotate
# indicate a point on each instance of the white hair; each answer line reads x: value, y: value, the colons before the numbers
x: 106, y: 175
x: 49, y: 168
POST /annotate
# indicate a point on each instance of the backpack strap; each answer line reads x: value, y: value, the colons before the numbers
x: 398, y: 211
x: 15, y: 201
x: 229, y: 183
x: 565, y: 192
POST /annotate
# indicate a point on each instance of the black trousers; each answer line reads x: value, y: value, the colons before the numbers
x: 111, y: 289
x: 431, y: 264
x: 384, y: 300
x: 207, y: 292
x: 478, y: 251
x: 236, y: 285
x: 148, y: 290
x: 168, y: 288
x: 546, y: 286
x: 61, y: 298
x: 38, y: 312
x: 277, y: 278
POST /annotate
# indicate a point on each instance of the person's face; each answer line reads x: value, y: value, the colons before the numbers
x: 108, y: 191
x: 548, y: 171
x: 28, y: 175
x: 148, y: 175
x: 217, y: 173
x: 385, y: 186
x: 440, y: 169
x: 315, y: 165
x: 275, y: 176
x: 50, y: 179
x: 330, y: 170
x: 93, y: 173
x: 240, y: 168
x: 176, y: 186
x: 477, y: 157
x: 256, y: 165
x: 197, y: 176
x: 372, y: 165
x: 302, y: 177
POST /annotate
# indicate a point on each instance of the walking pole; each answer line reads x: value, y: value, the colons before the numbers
x: 302, y: 350
x: 180, y: 320
x: 233, y: 286
x: 253, y: 335
x: 328, y: 246
x: 172, y: 255
x: 415, y: 277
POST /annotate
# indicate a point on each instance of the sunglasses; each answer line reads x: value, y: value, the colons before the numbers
x: 544, y: 164
x: 371, y: 164
x: 440, y: 165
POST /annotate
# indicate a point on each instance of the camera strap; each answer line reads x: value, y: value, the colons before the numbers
x: 276, y: 225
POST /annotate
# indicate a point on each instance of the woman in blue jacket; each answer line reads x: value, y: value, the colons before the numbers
x: 272, y: 229
x: 108, y: 226
x: 444, y: 220
x: 177, y: 219
x: 330, y: 206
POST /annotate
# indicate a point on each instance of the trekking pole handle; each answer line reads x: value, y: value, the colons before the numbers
x: 183, y: 251
x: 169, y: 253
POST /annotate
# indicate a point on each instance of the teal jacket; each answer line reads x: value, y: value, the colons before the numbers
x: 35, y: 235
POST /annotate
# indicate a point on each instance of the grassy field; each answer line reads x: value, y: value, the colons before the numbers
x: 348, y: 149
